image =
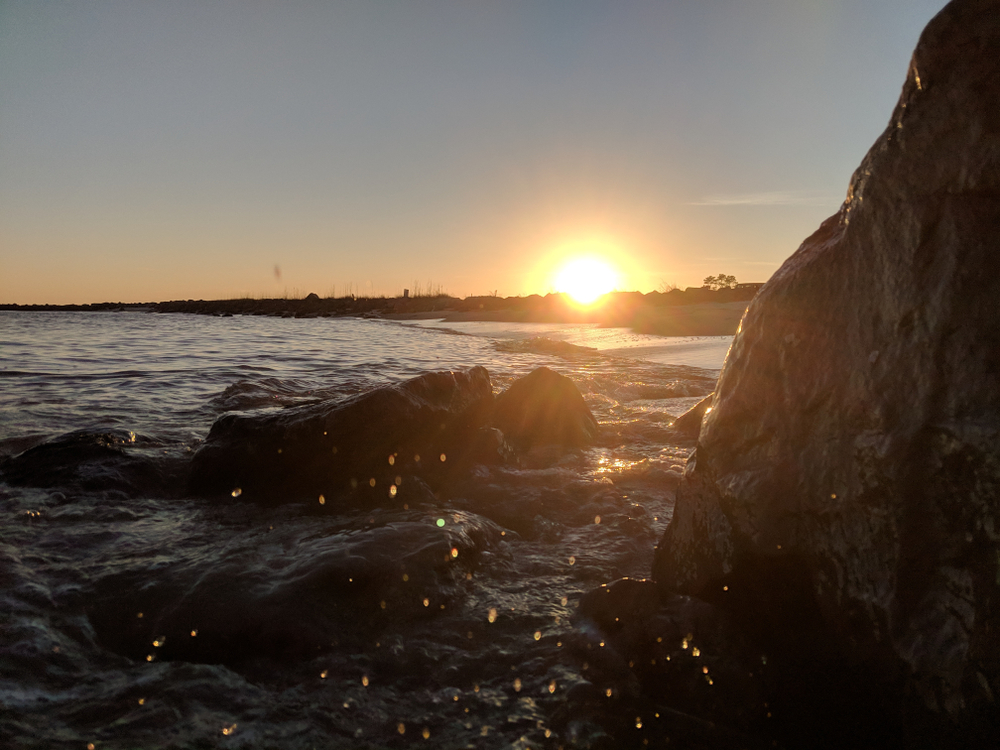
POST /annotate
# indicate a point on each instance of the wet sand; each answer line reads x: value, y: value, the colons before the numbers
x: 706, y: 319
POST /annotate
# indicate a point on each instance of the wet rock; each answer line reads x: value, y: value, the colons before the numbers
x: 92, y: 460
x: 689, y: 423
x: 253, y: 600
x: 854, y: 443
x: 421, y: 427
x: 681, y: 649
x: 542, y: 408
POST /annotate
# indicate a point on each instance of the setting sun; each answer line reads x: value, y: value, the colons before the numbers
x: 586, y: 279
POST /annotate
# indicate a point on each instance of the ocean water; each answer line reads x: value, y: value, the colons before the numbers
x: 478, y: 644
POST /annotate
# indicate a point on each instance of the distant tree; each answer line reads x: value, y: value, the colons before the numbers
x: 664, y: 287
x: 722, y: 281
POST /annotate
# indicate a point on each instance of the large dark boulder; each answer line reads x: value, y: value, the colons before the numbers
x: 850, y: 466
x: 420, y: 427
x: 544, y: 408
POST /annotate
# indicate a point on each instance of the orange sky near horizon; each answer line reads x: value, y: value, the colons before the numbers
x: 157, y: 151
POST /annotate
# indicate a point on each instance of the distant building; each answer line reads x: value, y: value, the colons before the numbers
x: 754, y: 285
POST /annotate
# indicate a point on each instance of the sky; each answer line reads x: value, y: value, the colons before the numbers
x: 204, y: 150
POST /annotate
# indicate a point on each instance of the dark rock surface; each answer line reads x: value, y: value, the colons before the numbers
x: 543, y: 408
x: 92, y: 460
x: 689, y: 423
x: 252, y: 600
x: 388, y: 443
x: 850, y: 467
x: 333, y: 447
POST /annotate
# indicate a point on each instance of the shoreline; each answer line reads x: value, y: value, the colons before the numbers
x: 692, y: 312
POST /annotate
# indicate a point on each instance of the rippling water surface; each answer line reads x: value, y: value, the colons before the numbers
x: 449, y: 622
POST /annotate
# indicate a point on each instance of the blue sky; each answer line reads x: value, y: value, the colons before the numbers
x: 176, y: 150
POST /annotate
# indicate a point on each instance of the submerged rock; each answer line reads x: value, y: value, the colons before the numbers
x: 334, y: 447
x: 254, y: 599
x: 544, y: 408
x: 851, y: 463
x: 92, y: 460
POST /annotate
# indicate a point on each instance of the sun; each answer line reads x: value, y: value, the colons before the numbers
x: 586, y: 279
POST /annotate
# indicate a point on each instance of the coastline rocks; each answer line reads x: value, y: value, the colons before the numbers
x: 384, y: 445
x: 334, y: 447
x: 851, y: 463
x: 253, y: 600
x: 92, y: 460
x: 544, y: 408
x: 689, y: 423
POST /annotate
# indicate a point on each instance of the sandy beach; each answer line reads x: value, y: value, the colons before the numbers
x: 706, y: 319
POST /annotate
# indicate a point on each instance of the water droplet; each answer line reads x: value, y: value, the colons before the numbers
x: 364, y: 680
x: 608, y: 692
x: 454, y: 551
x: 552, y: 686
x: 194, y: 633
x: 322, y: 500
x: 572, y: 560
x: 382, y: 604
x: 493, y: 614
x: 564, y: 601
x: 638, y: 722
x: 150, y: 657
x: 696, y: 652
x: 440, y: 523
x: 406, y: 577
x: 229, y: 730
x: 323, y: 674
x: 236, y: 492
x: 538, y: 635
x: 401, y: 728
x: 427, y: 602
x: 142, y: 701
x: 517, y: 684
x: 139, y: 615
x: 443, y: 458
x: 597, y: 519
x: 426, y: 733
x: 371, y: 482
x: 392, y: 460
x: 334, y: 449
x: 392, y: 490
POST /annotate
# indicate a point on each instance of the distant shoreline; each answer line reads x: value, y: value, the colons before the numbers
x: 691, y: 312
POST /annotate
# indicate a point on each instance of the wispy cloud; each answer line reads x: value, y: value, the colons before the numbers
x: 774, y: 198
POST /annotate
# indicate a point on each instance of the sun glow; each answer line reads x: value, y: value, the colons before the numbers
x: 586, y: 279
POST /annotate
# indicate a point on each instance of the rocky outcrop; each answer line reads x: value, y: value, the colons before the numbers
x: 374, y: 446
x: 851, y: 463
x: 333, y: 447
x: 543, y: 408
